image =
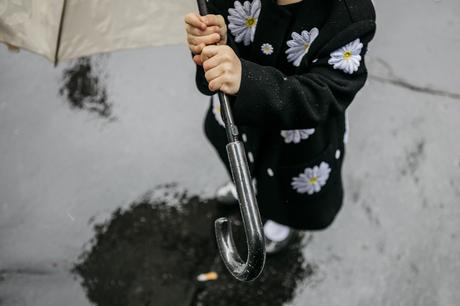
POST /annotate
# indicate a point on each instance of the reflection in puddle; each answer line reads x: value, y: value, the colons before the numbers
x: 83, y: 85
x: 151, y: 254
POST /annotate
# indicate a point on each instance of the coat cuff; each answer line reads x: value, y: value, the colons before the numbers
x: 248, y: 102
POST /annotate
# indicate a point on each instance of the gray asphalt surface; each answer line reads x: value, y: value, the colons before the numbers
x: 396, y: 242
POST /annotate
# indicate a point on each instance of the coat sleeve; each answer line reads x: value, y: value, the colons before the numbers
x: 269, y: 98
x: 218, y: 8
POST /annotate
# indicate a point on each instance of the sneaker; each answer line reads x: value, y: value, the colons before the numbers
x: 226, y: 194
x: 277, y: 237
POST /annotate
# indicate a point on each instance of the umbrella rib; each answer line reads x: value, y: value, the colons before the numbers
x: 61, y: 25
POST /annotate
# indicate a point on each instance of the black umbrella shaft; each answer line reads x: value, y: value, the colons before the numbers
x: 227, y: 116
x: 202, y: 8
x: 230, y: 127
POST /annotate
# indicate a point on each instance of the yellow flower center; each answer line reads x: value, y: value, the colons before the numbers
x: 347, y: 55
x: 313, y: 180
x: 250, y: 22
x: 306, y: 46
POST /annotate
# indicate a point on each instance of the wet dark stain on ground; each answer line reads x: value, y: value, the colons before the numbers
x: 84, y: 88
x: 414, y: 268
x: 355, y: 195
x: 413, y: 159
x: 371, y: 216
x: 151, y: 254
x: 455, y: 187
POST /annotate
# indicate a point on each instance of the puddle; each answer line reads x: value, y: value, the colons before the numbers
x: 152, y: 252
x: 83, y: 86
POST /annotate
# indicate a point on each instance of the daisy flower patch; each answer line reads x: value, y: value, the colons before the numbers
x: 296, y: 136
x: 347, y: 58
x: 299, y: 45
x: 267, y: 49
x: 243, y: 20
x: 312, y: 180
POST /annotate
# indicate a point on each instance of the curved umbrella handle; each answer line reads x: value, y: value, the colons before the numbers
x: 251, y: 269
x: 254, y: 264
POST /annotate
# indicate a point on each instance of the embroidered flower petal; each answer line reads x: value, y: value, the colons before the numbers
x: 296, y: 136
x: 255, y: 9
x: 304, y: 134
x: 243, y: 20
x: 312, y: 180
x: 347, y: 58
x: 299, y: 45
x: 267, y: 49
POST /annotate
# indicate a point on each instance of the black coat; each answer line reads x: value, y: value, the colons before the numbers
x: 292, y: 114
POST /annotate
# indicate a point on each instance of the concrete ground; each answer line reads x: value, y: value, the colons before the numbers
x: 396, y: 242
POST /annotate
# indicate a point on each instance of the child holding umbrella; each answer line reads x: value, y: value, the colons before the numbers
x: 291, y: 68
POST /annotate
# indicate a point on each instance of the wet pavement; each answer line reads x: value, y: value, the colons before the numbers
x: 152, y: 253
x: 82, y: 221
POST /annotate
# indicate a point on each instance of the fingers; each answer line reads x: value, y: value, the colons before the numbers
x: 218, y: 83
x: 222, y: 68
x: 223, y: 34
x: 199, y: 32
x: 195, y: 21
x: 218, y: 76
x: 203, y: 31
x: 197, y: 60
x: 214, y: 73
x: 210, y: 51
x: 212, y: 62
x: 196, y: 49
x: 207, y: 39
x: 219, y: 22
x: 214, y: 20
x: 222, y: 53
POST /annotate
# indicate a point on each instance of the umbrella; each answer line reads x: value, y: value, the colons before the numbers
x: 251, y: 269
x: 65, y: 29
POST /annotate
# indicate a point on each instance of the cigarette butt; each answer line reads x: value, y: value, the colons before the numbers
x: 205, y: 277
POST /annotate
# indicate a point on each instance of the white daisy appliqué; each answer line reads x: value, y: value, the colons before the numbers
x: 296, y: 136
x: 312, y: 180
x: 243, y: 20
x: 216, y: 110
x: 299, y: 45
x: 347, y: 58
x: 267, y: 49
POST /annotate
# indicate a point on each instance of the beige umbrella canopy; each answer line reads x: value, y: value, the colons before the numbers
x: 63, y: 29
